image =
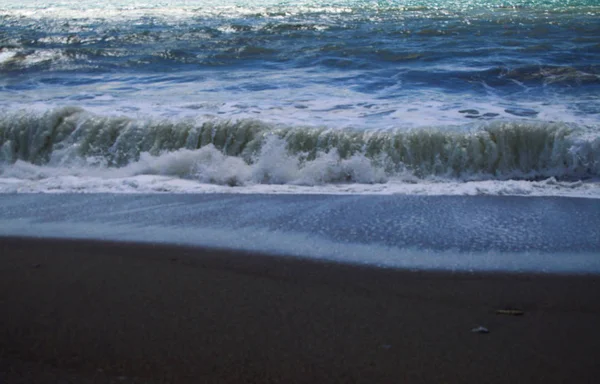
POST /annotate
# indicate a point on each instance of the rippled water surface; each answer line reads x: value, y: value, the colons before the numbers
x: 488, y: 97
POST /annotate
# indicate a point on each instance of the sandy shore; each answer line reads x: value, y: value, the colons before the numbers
x: 84, y: 311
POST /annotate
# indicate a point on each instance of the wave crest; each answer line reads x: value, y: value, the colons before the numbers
x: 238, y: 152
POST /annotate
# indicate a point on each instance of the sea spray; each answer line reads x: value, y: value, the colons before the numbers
x: 237, y: 152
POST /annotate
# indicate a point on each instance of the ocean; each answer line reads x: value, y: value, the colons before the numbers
x: 376, y: 97
x: 460, y: 134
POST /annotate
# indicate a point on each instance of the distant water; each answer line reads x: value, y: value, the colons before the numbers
x: 417, y: 96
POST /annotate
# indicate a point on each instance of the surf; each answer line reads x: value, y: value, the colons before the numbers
x: 273, y: 153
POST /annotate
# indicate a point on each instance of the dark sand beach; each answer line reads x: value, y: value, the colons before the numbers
x: 100, y: 312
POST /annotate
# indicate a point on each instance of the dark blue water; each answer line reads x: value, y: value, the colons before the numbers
x: 463, y: 90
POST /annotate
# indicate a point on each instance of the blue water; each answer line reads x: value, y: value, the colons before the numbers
x: 204, y: 94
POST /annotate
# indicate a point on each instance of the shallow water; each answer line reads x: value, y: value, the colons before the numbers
x: 484, y: 233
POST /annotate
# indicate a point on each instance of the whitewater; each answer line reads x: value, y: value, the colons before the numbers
x: 413, y: 97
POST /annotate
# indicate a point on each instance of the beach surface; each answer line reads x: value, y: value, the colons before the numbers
x: 102, y: 312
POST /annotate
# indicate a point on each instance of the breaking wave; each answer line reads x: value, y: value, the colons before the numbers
x: 239, y: 152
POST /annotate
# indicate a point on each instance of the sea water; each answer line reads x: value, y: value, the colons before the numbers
x: 260, y: 111
x: 345, y: 96
x: 458, y: 233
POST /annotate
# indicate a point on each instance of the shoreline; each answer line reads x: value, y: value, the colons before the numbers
x: 101, y: 311
x: 556, y: 235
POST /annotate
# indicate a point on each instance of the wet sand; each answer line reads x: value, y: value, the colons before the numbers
x: 102, y: 312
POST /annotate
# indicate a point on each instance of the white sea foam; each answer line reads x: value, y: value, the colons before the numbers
x: 207, y: 170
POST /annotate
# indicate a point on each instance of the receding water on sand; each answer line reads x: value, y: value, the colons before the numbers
x: 557, y: 235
